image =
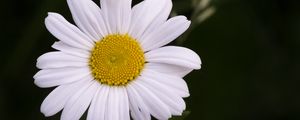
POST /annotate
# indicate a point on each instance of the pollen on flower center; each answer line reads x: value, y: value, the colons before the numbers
x: 116, y: 60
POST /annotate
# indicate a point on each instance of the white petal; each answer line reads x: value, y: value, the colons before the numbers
x: 57, y: 99
x: 165, y: 33
x: 80, y: 101
x: 59, y: 60
x: 176, y: 56
x: 117, y: 14
x: 98, y: 107
x: 67, y: 32
x: 174, y: 102
x: 60, y: 76
x: 112, y: 112
x: 134, y: 18
x: 87, y: 16
x: 143, y: 15
x: 65, y: 48
x: 159, y: 19
x: 113, y: 104
x: 155, y: 106
x: 125, y: 16
x: 124, y: 104
x: 169, y: 69
x: 174, y: 83
x: 139, y: 111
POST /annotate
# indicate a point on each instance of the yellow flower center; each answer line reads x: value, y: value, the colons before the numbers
x: 116, y: 60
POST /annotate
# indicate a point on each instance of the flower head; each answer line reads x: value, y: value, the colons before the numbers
x: 115, y: 63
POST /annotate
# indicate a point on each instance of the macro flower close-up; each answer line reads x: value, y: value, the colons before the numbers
x: 150, y: 60
x: 115, y: 63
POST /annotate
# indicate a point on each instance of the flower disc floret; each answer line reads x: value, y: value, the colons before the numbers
x: 116, y: 60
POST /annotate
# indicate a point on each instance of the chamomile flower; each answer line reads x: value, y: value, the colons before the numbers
x: 114, y: 64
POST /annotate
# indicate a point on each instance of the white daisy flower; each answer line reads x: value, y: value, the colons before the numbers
x: 115, y: 62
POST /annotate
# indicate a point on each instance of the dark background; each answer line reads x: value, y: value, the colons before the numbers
x: 250, y: 51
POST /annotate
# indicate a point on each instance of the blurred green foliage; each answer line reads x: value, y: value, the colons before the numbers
x: 250, y: 53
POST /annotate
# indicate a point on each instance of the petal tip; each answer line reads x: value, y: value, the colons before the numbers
x: 198, y: 67
x: 45, y: 113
